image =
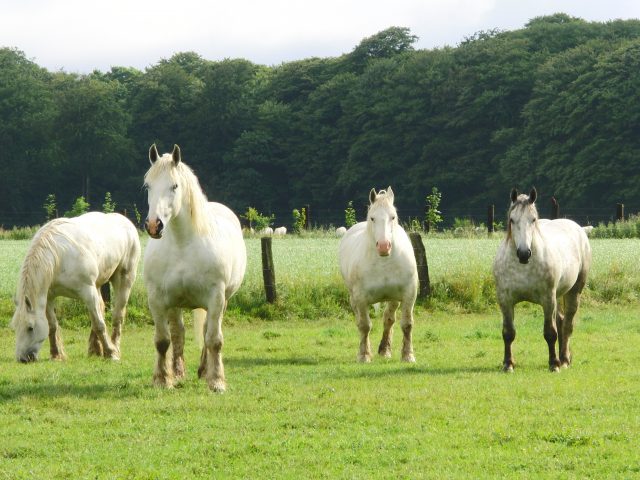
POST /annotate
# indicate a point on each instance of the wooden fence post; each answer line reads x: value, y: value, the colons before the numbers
x: 619, y: 211
x: 491, y: 219
x: 555, y: 208
x: 268, y: 273
x: 421, y: 261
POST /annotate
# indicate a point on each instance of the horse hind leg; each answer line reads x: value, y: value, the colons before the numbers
x: 572, y: 302
x: 122, y: 284
x: 388, y: 319
x: 213, y: 341
x: 407, y: 328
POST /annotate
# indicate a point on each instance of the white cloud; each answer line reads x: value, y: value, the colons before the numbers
x: 80, y: 35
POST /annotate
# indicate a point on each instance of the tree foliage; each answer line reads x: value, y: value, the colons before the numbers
x: 551, y: 105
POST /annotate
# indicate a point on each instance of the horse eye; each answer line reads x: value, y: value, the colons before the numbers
x: 174, y: 187
x: 393, y: 218
x: 373, y: 219
x: 30, y: 329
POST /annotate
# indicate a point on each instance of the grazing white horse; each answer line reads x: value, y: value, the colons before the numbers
x: 196, y: 259
x: 543, y: 262
x: 74, y: 257
x: 280, y: 231
x: 378, y: 265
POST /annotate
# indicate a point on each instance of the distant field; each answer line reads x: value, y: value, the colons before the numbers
x: 310, y: 287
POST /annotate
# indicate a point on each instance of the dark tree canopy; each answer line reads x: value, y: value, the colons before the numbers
x: 554, y: 105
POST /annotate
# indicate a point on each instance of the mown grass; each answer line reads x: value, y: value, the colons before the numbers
x: 299, y: 406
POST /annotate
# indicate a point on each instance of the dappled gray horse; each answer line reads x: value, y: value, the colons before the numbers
x: 543, y: 262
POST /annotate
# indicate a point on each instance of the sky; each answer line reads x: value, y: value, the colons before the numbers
x: 79, y: 36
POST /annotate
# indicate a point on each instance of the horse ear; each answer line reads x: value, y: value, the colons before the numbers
x: 514, y: 195
x: 177, y: 156
x: 372, y: 195
x: 153, y: 154
x: 533, y: 195
x: 390, y: 194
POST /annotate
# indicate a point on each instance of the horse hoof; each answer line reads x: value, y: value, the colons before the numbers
x: 364, y: 358
x: 554, y: 368
x: 385, y: 353
x: 409, y: 358
x: 217, y: 386
x: 507, y: 369
x: 162, y: 382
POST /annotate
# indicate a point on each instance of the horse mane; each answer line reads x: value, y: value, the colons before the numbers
x: 41, y: 262
x: 523, y: 202
x: 182, y: 174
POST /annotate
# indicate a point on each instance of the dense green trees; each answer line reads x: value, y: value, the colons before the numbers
x: 554, y: 104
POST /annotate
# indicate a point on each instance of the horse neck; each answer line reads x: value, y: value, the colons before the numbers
x: 38, y: 271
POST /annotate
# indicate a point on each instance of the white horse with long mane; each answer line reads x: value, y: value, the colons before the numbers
x: 378, y: 265
x: 196, y: 259
x: 543, y: 262
x: 74, y: 257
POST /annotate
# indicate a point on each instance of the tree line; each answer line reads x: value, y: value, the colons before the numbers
x: 554, y: 104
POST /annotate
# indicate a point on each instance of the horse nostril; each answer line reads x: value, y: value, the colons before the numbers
x: 159, y: 225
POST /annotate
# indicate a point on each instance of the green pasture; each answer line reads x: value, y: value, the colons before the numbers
x: 299, y: 406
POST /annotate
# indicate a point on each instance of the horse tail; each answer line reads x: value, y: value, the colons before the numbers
x: 199, y: 317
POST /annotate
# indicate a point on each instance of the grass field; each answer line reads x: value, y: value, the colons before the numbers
x: 299, y: 406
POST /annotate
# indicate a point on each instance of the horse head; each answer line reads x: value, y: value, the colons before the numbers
x: 382, y: 220
x: 522, y: 218
x: 30, y: 324
x: 163, y: 186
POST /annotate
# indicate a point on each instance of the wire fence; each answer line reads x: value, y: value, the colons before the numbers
x: 331, y: 217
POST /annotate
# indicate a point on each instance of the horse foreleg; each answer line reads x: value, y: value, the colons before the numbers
x: 407, y: 327
x: 388, y: 318
x: 213, y: 342
x: 163, y: 373
x: 55, y: 340
x: 508, y: 336
x: 361, y: 310
x: 95, y: 305
x: 176, y: 326
x: 551, y: 331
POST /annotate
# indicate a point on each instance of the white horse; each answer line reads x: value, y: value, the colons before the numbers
x: 196, y: 259
x: 74, y: 257
x: 280, y: 231
x: 378, y: 264
x: 541, y: 261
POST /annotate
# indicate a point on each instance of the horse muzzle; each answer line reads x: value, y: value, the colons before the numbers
x: 383, y: 248
x: 28, y: 357
x: 154, y: 228
x: 524, y: 255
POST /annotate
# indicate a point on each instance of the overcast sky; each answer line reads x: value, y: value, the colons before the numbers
x: 83, y: 35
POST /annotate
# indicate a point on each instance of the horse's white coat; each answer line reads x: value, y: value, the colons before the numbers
x: 340, y: 231
x: 280, y: 231
x: 557, y: 268
x: 74, y: 257
x: 197, y: 260
x: 378, y: 265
